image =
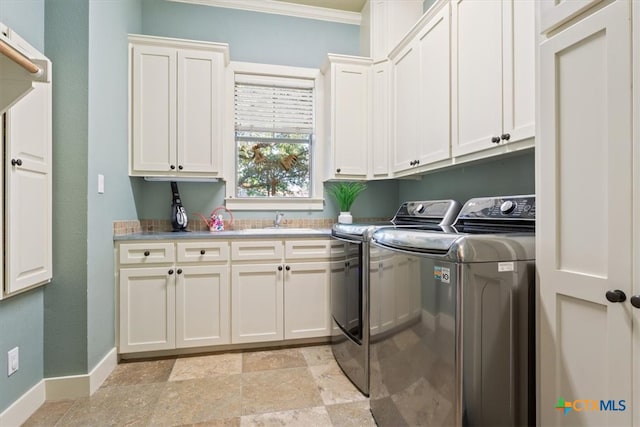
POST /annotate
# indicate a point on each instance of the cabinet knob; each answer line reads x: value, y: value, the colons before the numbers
x: 616, y: 296
x: 180, y: 167
x: 172, y: 167
x: 179, y: 271
x: 412, y: 162
x: 287, y: 268
x: 202, y: 252
x: 505, y: 136
x: 16, y: 162
x: 417, y: 162
x: 495, y: 139
x: 279, y: 268
x: 338, y: 170
x: 635, y: 301
x: 170, y: 272
x: 147, y: 253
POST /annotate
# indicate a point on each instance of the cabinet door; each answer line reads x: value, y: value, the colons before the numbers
x: 351, y: 119
x: 202, y: 306
x: 153, y: 94
x: 433, y: 44
x: 406, y: 107
x: 476, y: 90
x: 147, y: 309
x: 306, y: 300
x: 380, y: 130
x: 583, y: 238
x: 386, y: 284
x: 28, y: 220
x: 519, y: 69
x: 200, y: 84
x: 256, y: 303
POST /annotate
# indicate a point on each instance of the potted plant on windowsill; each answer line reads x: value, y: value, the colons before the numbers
x: 345, y: 194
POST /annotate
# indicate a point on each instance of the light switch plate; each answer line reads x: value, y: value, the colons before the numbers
x: 13, y: 360
x: 100, y: 183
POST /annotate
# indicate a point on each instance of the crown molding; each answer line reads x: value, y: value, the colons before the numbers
x: 284, y: 8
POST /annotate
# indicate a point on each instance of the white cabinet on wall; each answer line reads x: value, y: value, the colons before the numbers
x: 173, y: 295
x: 28, y: 187
x: 587, y: 243
x: 380, y: 119
x: 176, y: 104
x: 420, y: 91
x: 348, y: 112
x: 493, y: 65
x: 280, y: 290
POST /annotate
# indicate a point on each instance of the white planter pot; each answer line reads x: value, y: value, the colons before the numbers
x: 345, y: 218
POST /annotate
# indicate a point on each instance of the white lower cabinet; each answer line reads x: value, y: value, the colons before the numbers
x: 147, y: 309
x: 166, y: 304
x: 283, y: 296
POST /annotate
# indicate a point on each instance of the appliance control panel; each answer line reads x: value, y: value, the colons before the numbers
x: 500, y: 208
x: 426, y: 208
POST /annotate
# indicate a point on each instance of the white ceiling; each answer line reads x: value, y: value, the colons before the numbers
x: 347, y: 5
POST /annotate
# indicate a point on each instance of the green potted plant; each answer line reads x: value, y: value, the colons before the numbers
x: 345, y: 194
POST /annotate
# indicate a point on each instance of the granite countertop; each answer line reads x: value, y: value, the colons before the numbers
x: 251, y: 233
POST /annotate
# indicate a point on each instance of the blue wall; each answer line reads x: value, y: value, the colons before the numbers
x: 21, y: 317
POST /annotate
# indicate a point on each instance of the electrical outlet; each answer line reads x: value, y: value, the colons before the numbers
x: 13, y: 361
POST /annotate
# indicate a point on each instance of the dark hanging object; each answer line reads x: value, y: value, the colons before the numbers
x: 179, y: 219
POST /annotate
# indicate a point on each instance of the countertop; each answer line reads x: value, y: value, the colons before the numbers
x: 252, y: 233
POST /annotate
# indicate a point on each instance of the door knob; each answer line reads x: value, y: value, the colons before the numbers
x: 147, y: 253
x: 505, y: 136
x: 616, y: 296
x: 287, y: 268
x: 170, y: 272
x: 279, y: 268
x: 202, y: 252
x: 495, y: 139
x: 172, y: 167
x: 16, y: 162
x: 635, y: 301
x: 179, y: 271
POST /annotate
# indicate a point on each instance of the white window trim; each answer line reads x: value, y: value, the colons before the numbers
x: 316, y: 201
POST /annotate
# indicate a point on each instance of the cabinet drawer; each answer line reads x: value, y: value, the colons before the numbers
x: 257, y: 250
x: 307, y: 249
x: 203, y: 251
x: 147, y: 253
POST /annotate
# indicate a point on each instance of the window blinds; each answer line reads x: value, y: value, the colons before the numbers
x: 283, y: 106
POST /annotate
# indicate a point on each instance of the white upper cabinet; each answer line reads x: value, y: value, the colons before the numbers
x: 420, y: 96
x: 176, y: 100
x: 384, y: 23
x: 493, y: 63
x: 28, y: 198
x: 381, y: 115
x: 348, y: 111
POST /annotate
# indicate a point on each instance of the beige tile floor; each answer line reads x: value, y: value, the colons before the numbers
x: 285, y: 387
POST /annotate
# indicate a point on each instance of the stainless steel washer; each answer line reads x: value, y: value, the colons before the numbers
x: 459, y: 347
x: 350, y: 280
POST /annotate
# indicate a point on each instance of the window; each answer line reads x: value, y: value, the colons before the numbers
x: 274, y: 134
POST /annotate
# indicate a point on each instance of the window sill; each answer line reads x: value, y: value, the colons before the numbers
x: 290, y: 204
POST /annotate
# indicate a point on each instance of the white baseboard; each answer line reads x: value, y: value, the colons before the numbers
x: 75, y: 386
x: 24, y: 407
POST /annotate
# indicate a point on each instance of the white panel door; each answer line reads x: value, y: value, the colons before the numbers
x: 435, y: 136
x: 583, y: 237
x: 476, y: 86
x: 306, y: 300
x: 351, y: 118
x: 147, y: 309
x: 153, y: 95
x: 256, y: 303
x: 406, y: 107
x: 202, y: 306
x: 200, y: 84
x: 28, y: 222
x: 387, y: 294
x: 402, y: 288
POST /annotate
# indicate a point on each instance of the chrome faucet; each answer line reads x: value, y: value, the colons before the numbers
x: 278, y: 219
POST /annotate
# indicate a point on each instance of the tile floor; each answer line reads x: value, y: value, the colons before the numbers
x: 285, y: 387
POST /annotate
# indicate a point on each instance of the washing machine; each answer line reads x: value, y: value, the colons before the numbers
x: 455, y: 343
